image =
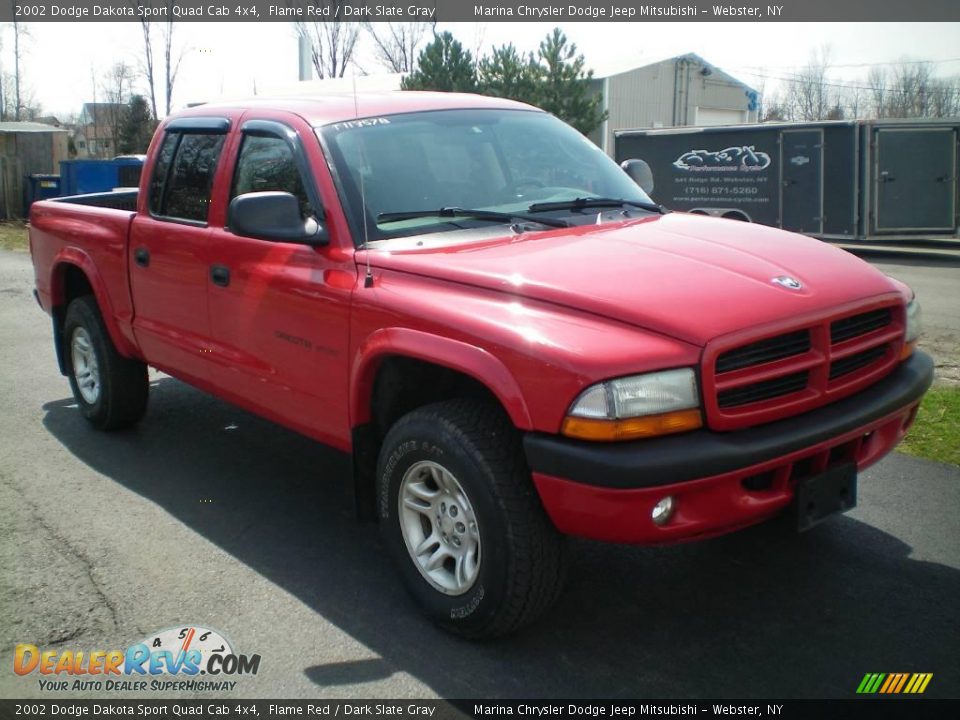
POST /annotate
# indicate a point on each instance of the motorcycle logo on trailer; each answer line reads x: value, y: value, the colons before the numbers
x: 731, y: 159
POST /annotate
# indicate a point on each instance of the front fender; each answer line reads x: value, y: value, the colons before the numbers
x: 468, y: 359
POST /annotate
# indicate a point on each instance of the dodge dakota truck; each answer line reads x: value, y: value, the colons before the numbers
x: 509, y: 338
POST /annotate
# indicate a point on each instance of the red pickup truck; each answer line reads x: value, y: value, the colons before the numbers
x: 509, y: 338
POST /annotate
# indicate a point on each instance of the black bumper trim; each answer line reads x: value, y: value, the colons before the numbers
x: 703, y: 453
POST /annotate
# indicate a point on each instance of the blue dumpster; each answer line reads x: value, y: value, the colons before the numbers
x: 39, y: 187
x: 79, y: 177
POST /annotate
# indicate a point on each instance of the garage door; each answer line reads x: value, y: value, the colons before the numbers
x: 720, y: 116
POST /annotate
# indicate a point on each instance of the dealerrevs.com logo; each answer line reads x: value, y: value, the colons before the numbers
x: 170, y: 660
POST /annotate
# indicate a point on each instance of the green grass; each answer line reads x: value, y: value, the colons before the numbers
x: 13, y: 235
x: 936, y: 433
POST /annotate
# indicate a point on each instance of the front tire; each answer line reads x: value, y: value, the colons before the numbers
x: 111, y: 390
x: 463, y: 522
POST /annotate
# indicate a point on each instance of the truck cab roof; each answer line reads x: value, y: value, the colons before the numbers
x: 333, y: 108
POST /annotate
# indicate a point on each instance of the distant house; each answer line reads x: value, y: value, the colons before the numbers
x: 678, y: 91
x: 48, y: 120
x: 93, y: 136
x: 26, y: 148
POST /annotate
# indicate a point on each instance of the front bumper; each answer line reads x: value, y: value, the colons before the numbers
x: 719, y: 481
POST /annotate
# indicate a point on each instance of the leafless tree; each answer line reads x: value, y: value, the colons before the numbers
x: 909, y: 92
x: 172, y: 57
x: 774, y: 109
x: 20, y: 32
x: 146, y: 63
x: 171, y: 65
x: 854, y: 101
x: 945, y: 97
x: 808, y: 93
x: 332, y: 43
x: 115, y: 87
x: 397, y: 44
x: 771, y: 106
x: 4, y: 85
x: 877, y: 82
x: 479, y: 39
x: 909, y: 89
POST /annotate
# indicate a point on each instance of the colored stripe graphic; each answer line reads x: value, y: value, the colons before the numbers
x: 892, y: 679
x: 894, y: 683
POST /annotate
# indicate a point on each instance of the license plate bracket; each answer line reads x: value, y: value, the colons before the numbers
x: 820, y: 496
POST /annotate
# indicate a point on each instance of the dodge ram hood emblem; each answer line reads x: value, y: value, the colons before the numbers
x: 788, y: 282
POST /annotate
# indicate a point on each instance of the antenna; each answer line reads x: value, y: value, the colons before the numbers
x: 368, y: 278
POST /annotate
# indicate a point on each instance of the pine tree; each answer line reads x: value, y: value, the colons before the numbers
x: 443, y: 65
x: 508, y: 75
x: 564, y: 89
x: 137, y: 126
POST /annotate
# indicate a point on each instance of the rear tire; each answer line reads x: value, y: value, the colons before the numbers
x: 463, y: 522
x: 111, y: 390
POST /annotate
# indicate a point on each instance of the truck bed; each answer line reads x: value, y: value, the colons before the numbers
x: 116, y: 200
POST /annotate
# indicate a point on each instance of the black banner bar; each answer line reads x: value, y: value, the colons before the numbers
x: 874, y: 708
x: 478, y: 10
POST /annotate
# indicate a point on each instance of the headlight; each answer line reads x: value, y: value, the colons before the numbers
x: 914, y: 326
x: 635, y: 407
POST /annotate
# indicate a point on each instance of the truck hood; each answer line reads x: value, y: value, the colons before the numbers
x: 690, y: 277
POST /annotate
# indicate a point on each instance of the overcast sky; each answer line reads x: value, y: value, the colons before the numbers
x: 234, y: 58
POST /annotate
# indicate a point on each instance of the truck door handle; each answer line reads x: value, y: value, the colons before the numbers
x: 220, y: 275
x: 886, y: 177
x: 141, y: 256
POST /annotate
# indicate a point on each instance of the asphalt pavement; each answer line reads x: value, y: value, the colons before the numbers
x: 207, y: 515
x: 937, y: 284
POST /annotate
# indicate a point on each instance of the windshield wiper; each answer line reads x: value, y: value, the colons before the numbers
x: 455, y: 212
x: 581, y: 203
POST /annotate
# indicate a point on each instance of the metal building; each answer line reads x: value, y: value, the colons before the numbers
x: 679, y: 91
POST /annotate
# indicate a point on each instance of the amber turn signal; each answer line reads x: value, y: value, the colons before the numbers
x: 908, y: 349
x: 631, y: 428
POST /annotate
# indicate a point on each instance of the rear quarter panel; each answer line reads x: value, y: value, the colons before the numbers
x: 94, y: 239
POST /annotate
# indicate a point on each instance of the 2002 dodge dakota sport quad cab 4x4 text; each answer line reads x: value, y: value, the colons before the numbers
x: 509, y: 337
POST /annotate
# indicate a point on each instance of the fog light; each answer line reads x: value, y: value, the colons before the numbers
x: 662, y: 511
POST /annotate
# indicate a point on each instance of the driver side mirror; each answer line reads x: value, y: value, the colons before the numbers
x: 274, y: 216
x: 640, y: 173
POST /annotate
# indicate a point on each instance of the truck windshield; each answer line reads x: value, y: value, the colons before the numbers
x: 499, y: 161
